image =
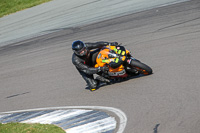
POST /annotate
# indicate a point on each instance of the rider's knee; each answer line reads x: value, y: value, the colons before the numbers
x: 93, y: 86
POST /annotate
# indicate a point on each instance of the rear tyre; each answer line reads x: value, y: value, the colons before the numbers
x: 141, y: 67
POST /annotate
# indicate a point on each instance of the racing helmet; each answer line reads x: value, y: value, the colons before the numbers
x: 80, y: 48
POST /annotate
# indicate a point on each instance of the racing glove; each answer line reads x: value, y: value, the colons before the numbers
x: 104, y: 69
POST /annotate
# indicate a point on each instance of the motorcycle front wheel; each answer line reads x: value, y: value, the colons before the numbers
x: 141, y: 67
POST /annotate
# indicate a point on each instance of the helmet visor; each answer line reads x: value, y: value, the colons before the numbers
x: 81, y: 52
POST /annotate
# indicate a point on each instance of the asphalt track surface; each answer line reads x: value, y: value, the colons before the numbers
x: 60, y: 14
x: 38, y: 72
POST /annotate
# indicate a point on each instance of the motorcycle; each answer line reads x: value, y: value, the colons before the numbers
x: 120, y: 63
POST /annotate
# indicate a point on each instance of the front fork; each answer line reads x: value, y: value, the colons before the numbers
x: 131, y: 58
x: 131, y: 69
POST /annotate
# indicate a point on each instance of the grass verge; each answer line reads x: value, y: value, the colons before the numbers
x: 11, y: 6
x: 29, y: 128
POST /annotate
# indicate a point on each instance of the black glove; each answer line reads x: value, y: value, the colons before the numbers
x: 104, y: 69
x: 114, y: 44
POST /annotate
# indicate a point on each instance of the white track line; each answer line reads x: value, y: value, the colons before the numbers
x: 118, y: 112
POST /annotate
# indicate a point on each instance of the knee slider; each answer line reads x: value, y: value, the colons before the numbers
x: 93, y: 85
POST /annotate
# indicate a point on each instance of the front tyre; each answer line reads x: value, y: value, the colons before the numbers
x: 141, y: 67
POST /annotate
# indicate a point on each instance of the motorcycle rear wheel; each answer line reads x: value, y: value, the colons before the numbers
x: 141, y: 67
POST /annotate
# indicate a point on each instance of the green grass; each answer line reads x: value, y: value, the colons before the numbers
x: 11, y: 6
x: 29, y: 128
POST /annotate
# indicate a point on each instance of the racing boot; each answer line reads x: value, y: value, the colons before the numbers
x: 92, y: 84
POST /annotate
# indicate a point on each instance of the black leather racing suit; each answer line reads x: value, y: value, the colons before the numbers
x: 85, y: 64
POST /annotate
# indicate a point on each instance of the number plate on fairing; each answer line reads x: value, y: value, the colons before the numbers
x: 120, y: 73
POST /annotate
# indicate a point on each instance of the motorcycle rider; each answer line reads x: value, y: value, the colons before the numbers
x: 84, y: 60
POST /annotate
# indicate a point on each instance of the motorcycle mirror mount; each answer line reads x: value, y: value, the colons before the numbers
x: 109, y: 45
